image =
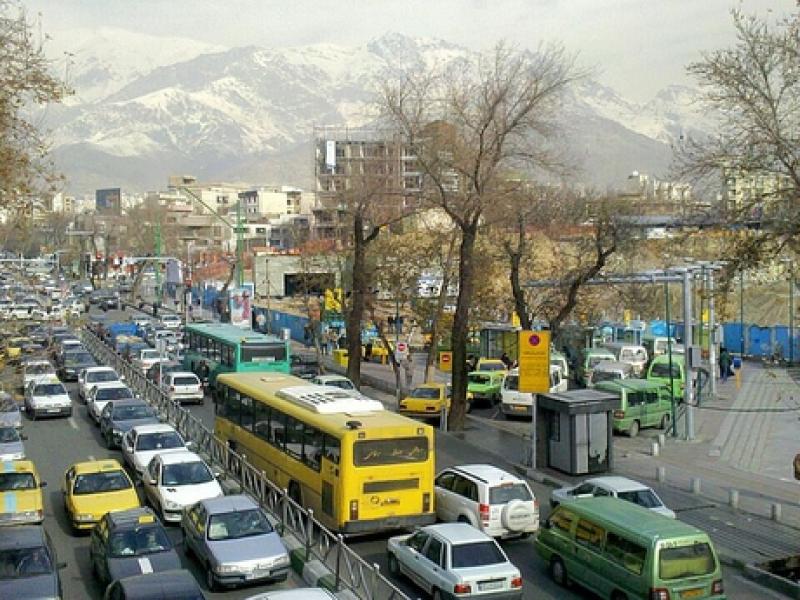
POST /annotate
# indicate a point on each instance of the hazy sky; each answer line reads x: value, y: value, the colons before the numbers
x: 636, y: 46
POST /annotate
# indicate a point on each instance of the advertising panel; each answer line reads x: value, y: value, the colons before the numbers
x: 241, y: 306
x: 108, y: 201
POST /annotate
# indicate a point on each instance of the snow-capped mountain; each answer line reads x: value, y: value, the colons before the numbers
x: 147, y: 107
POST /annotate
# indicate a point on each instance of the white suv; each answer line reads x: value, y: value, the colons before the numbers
x: 496, y: 502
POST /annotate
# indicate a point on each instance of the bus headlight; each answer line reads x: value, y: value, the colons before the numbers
x: 353, y: 510
x: 426, y: 502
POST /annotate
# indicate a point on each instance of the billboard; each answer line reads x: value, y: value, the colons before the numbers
x: 241, y: 306
x: 330, y: 154
x: 108, y: 201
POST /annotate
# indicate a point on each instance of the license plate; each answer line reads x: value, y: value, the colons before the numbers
x: 488, y: 586
x: 693, y: 593
x: 519, y: 408
x: 53, y: 410
x: 258, y: 573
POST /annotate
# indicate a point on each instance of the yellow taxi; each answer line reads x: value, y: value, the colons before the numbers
x: 425, y: 401
x: 21, y: 499
x: 94, y: 488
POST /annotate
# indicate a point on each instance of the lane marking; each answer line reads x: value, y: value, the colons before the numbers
x: 72, y: 423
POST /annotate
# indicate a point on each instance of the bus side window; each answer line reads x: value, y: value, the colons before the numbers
x: 312, y: 447
x: 261, y: 423
x: 294, y: 438
x: 234, y: 406
x: 277, y: 424
x: 221, y: 400
x: 332, y: 449
x: 246, y: 413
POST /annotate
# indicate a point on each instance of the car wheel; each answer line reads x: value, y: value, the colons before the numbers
x: 665, y: 421
x: 211, y: 583
x: 109, y: 440
x: 394, y: 568
x: 436, y: 595
x: 558, y: 571
x: 634, y: 430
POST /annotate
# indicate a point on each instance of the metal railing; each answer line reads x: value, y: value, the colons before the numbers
x: 351, y: 571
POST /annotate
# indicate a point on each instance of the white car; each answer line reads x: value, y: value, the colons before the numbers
x: 146, y: 359
x: 171, y: 321
x: 183, y: 386
x: 498, y: 503
x: 176, y: 480
x: 619, y: 487
x: 143, y: 442
x: 88, y: 378
x: 102, y: 394
x: 37, y: 369
x: 47, y: 397
x: 339, y: 381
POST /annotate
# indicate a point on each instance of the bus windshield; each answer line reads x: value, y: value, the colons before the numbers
x: 263, y: 352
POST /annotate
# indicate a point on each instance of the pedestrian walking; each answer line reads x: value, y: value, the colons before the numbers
x: 408, y: 367
x: 724, y: 364
x: 506, y: 360
x: 367, y: 351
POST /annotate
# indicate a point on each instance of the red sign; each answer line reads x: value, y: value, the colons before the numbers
x: 534, y: 340
x: 445, y: 357
x: 402, y: 346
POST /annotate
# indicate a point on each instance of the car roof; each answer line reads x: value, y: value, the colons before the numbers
x: 99, y: 369
x: 331, y: 378
x: 620, y: 484
x: 130, y: 402
x: 486, y: 473
x: 161, y: 585
x: 22, y: 536
x: 458, y: 533
x: 46, y: 379
x: 130, y: 517
x: 97, y: 466
x: 180, y: 374
x: 181, y: 456
x: 104, y: 385
x: 154, y: 428
x: 17, y: 466
x: 295, y: 594
x: 225, y: 504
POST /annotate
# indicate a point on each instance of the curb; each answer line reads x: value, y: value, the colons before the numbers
x: 312, y: 571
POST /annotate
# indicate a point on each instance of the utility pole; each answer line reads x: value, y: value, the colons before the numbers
x: 669, y: 354
x: 239, y: 245
x: 688, y: 389
x: 712, y: 335
x: 158, y: 263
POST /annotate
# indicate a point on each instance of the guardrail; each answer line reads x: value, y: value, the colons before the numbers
x: 351, y: 572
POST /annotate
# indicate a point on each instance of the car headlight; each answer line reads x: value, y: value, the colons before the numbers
x: 223, y: 569
x: 281, y: 561
x: 170, y: 505
x: 116, y: 432
x: 84, y: 517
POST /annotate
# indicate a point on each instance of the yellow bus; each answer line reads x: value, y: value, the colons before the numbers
x: 361, y: 468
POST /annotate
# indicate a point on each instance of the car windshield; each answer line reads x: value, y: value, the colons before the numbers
x: 82, y: 358
x: 127, y: 412
x: 238, y: 524
x: 597, y: 359
x: 426, y: 392
x: 8, y: 435
x: 116, y: 393
x: 159, y: 441
x: 40, y: 369
x: 694, y: 560
x: 512, y: 383
x: 149, y: 354
x: 479, y: 379
x: 17, y: 481
x: 8, y: 404
x: 49, y: 389
x: 136, y: 542
x: 477, y: 554
x: 341, y: 383
x: 504, y: 494
x: 24, y: 562
x: 644, y: 497
x: 101, y: 376
x: 189, y: 473
x: 661, y: 369
x: 186, y: 381
x: 599, y: 376
x: 491, y: 366
x: 98, y: 483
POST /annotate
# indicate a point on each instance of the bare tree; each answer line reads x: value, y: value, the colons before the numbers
x: 25, y: 81
x: 469, y: 125
x: 753, y: 88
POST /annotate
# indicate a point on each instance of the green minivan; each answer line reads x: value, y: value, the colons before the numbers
x: 622, y: 551
x: 659, y: 371
x: 642, y: 403
x: 588, y: 359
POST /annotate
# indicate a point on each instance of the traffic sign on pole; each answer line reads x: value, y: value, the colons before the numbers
x: 534, y: 362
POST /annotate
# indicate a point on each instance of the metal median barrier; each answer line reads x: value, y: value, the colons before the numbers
x: 349, y: 571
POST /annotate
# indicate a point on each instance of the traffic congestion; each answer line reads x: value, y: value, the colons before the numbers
x: 129, y: 498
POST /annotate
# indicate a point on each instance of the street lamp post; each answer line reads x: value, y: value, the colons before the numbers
x: 790, y: 262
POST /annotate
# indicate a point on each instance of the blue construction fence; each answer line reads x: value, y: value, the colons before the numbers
x: 761, y: 341
x: 276, y: 321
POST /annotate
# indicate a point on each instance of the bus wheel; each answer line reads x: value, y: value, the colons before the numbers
x: 294, y: 492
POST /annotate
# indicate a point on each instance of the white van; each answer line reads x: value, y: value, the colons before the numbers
x: 514, y: 403
x: 557, y: 359
x: 633, y: 354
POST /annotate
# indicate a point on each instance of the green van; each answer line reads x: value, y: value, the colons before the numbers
x: 622, y: 551
x: 659, y: 371
x: 642, y: 403
x: 588, y: 359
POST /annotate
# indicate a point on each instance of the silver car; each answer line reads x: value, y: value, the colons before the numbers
x: 455, y: 560
x: 232, y: 537
x: 10, y: 413
x: 11, y: 446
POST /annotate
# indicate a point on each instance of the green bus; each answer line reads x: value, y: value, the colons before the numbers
x: 622, y: 551
x: 226, y: 348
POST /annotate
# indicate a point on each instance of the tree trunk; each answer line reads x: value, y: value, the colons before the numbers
x: 461, y: 327
x: 358, y: 303
x: 440, y: 303
x: 520, y: 305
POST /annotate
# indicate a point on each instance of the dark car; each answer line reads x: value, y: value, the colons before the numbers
x: 168, y: 366
x: 120, y: 416
x: 28, y: 564
x: 73, y: 363
x: 305, y: 367
x: 173, y: 585
x: 110, y: 300
x: 131, y: 542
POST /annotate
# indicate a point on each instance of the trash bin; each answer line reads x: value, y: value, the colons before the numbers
x: 737, y: 362
x: 340, y: 357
